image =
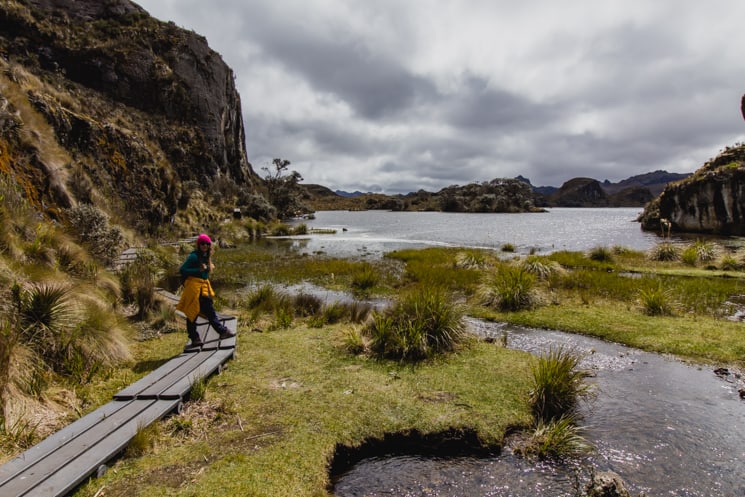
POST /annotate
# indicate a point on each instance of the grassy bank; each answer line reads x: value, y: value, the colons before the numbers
x: 270, y: 423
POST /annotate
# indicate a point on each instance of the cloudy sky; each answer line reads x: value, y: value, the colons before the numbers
x: 401, y: 95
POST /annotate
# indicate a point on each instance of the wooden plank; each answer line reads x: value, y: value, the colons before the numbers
x: 77, y: 469
x: 181, y: 387
x: 150, y: 379
x: 63, y: 469
x: 55, y: 441
x: 183, y: 371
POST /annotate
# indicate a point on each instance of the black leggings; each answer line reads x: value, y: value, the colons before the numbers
x: 206, y: 309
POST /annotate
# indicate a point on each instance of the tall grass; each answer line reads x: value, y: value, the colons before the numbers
x: 541, y: 267
x: 419, y: 326
x: 511, y: 289
x: 556, y: 439
x: 365, y: 279
x: 601, y: 254
x: 656, y: 300
x: 72, y: 330
x: 558, y: 385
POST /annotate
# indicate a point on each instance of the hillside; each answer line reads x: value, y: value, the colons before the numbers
x: 497, y: 195
x: 103, y: 104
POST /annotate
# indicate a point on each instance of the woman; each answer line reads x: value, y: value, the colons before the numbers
x: 197, y: 296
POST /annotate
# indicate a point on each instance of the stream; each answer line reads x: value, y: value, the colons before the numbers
x: 666, y: 427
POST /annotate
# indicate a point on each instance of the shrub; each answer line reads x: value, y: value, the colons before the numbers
x: 334, y: 312
x: 358, y: 311
x: 257, y: 207
x: 282, y: 317
x: 91, y: 226
x: 138, y: 280
x: 508, y: 247
x: 418, y: 326
x: 510, y: 290
x: 558, y: 385
x: 300, y: 229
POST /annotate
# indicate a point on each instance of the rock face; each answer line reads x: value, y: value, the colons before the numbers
x: 141, y: 112
x: 712, y: 200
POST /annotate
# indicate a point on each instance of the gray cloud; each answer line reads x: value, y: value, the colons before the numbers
x: 399, y: 96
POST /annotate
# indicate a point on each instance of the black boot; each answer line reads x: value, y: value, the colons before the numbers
x: 191, y: 329
x: 225, y: 332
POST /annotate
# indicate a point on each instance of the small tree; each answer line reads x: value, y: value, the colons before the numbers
x: 283, y: 189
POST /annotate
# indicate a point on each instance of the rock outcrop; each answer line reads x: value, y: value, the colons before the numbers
x: 102, y: 103
x: 712, y: 200
x: 580, y: 192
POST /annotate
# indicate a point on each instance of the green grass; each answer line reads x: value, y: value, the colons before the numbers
x: 295, y: 394
x: 695, y: 337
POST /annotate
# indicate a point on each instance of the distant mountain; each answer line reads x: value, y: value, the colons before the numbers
x: 655, y: 182
x: 342, y: 193
x: 503, y: 195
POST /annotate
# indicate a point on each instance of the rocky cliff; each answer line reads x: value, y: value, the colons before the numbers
x: 712, y: 200
x: 101, y: 103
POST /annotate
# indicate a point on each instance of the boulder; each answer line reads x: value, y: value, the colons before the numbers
x: 606, y: 484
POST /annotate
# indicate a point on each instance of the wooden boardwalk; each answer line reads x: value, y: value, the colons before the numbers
x: 61, y: 462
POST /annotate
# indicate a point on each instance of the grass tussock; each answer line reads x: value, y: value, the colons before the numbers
x: 656, y: 300
x: 556, y: 439
x: 558, y: 385
x: 419, y: 326
x: 665, y: 252
x: 510, y: 289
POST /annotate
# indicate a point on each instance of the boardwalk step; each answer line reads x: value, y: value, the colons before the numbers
x: 63, y: 461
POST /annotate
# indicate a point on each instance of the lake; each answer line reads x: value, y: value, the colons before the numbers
x: 372, y: 233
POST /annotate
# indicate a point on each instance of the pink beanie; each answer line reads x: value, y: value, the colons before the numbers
x: 203, y: 239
